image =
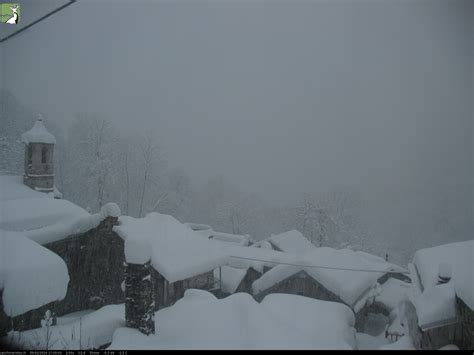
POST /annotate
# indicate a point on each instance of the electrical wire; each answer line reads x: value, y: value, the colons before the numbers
x: 37, y: 21
x: 320, y: 266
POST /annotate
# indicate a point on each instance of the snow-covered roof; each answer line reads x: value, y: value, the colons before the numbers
x: 292, y: 241
x: 460, y: 256
x: 239, y: 322
x: 30, y: 275
x: 12, y: 188
x: 205, y: 231
x: 264, y: 244
x: 38, y: 134
x: 436, y: 306
x: 257, y: 258
x: 40, y: 217
x: 349, y: 285
x: 173, y: 248
x: 202, y: 230
x: 392, y: 292
x: 230, y: 238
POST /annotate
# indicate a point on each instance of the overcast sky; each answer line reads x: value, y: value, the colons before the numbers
x: 280, y: 96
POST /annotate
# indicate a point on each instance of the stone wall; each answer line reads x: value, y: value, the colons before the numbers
x: 139, y: 298
x: 168, y: 293
x: 95, y: 264
x: 466, y: 327
x: 434, y: 338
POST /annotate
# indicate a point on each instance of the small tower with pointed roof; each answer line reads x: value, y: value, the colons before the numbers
x: 39, y: 148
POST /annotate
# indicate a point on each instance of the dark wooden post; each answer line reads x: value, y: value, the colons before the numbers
x: 139, y: 298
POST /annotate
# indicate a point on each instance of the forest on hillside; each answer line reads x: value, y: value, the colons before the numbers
x: 98, y: 161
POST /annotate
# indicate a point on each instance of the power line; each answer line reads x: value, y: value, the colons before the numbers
x: 38, y: 20
x: 320, y: 266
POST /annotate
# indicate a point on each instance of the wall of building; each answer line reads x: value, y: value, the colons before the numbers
x: 466, y: 319
x: 166, y: 294
x: 95, y: 263
x: 361, y: 317
x: 434, y: 338
x: 301, y: 284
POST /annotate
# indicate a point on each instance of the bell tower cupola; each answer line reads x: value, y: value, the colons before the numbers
x: 39, y: 149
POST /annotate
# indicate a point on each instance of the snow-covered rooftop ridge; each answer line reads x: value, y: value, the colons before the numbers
x: 292, y: 241
x: 206, y: 232
x: 38, y: 134
x: 42, y: 218
x: 460, y: 256
x: 173, y: 248
x: 349, y: 285
x: 264, y: 244
x: 30, y: 275
x: 239, y: 322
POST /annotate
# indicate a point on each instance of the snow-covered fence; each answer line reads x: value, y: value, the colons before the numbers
x: 139, y: 298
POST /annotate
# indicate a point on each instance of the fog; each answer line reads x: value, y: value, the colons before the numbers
x: 280, y: 97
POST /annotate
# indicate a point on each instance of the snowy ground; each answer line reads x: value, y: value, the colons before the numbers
x: 201, y: 321
x: 280, y: 321
x: 80, y: 330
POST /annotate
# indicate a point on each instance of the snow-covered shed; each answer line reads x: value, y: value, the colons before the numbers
x: 325, y: 273
x: 75, y: 236
x: 441, y: 303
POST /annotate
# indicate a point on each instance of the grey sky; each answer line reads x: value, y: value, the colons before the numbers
x: 280, y: 96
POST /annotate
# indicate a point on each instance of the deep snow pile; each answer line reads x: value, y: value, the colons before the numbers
x: 89, y: 331
x: 393, y: 291
x: 460, y: 257
x: 292, y: 241
x: 201, y: 321
x: 350, y: 286
x: 173, y: 248
x: 30, y: 275
x: 404, y: 343
x: 438, y: 303
x: 12, y: 188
